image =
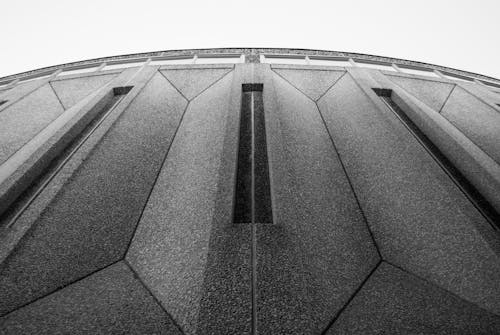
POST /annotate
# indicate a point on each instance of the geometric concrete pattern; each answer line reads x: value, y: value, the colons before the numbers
x: 130, y: 229
x: 433, y: 93
x: 314, y: 83
x: 70, y: 91
x: 39, y: 107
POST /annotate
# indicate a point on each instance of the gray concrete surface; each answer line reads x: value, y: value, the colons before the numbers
x: 110, y: 188
x: 313, y: 83
x: 185, y: 241
x: 433, y: 93
x: 191, y: 82
x: 420, y: 220
x: 472, y: 162
x: 76, y: 262
x: 319, y: 249
x: 111, y: 301
x: 396, y: 302
x: 70, y: 91
x: 31, y: 115
x: 478, y: 121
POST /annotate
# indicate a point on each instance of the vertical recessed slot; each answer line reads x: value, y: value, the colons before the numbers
x: 35, y: 180
x: 469, y: 190
x: 253, y: 194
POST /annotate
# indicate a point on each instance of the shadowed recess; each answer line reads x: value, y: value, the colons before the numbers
x: 252, y: 197
x: 89, y: 223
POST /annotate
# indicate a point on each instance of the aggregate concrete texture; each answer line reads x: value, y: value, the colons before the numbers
x: 70, y: 91
x: 433, y: 93
x: 314, y: 83
x: 187, y: 251
x: 111, y: 301
x: 395, y: 302
x: 136, y: 235
x: 420, y: 220
x: 191, y: 82
x: 473, y: 163
x: 21, y: 90
x: 477, y: 120
x: 319, y: 250
x: 30, y: 114
x: 90, y: 222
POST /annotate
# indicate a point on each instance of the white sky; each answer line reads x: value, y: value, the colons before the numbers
x: 459, y: 34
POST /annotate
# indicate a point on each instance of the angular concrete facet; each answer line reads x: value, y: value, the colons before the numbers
x: 70, y: 91
x: 395, y: 302
x: 430, y: 92
x: 90, y: 222
x: 348, y: 225
x: 313, y: 83
x: 111, y: 301
x: 191, y: 82
x: 478, y: 121
x: 319, y: 250
x: 195, y: 261
x: 24, y: 119
x: 420, y: 219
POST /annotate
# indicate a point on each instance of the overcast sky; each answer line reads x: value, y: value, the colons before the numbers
x: 458, y: 34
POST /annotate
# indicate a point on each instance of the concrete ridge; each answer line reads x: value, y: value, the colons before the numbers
x: 247, y: 51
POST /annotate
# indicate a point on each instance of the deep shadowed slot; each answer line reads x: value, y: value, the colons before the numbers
x: 2, y: 102
x: 22, y: 202
x: 477, y: 199
x: 253, y: 195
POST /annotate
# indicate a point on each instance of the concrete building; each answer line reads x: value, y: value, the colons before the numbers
x: 249, y: 191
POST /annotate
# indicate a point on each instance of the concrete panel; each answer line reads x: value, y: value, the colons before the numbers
x: 420, y: 220
x: 21, y: 89
x: 478, y: 121
x: 70, y: 91
x: 319, y: 249
x: 110, y: 301
x: 191, y: 82
x: 395, y: 302
x: 483, y: 92
x: 32, y: 159
x: 480, y: 169
x: 313, y: 83
x: 30, y: 114
x: 430, y: 92
x: 90, y: 222
x: 186, y: 248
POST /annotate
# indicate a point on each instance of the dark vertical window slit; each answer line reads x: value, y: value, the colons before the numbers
x: 477, y: 199
x: 253, y: 194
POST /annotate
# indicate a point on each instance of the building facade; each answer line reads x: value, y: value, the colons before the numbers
x: 249, y: 191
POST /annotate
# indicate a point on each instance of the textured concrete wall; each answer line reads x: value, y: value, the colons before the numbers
x: 134, y: 233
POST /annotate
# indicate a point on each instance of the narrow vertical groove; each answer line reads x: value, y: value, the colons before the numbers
x: 252, y: 155
x: 36, y: 187
x: 254, y: 279
x: 254, y: 228
x: 252, y: 195
x: 463, y: 184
